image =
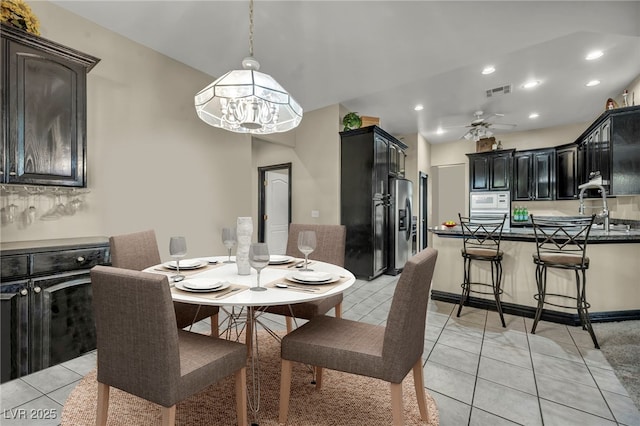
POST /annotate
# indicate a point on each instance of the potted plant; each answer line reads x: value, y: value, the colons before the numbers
x: 351, y: 121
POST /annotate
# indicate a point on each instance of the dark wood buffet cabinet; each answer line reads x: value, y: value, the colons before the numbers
x: 609, y: 147
x: 43, y: 110
x: 45, y: 302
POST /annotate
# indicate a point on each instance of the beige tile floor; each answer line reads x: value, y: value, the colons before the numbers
x: 478, y: 372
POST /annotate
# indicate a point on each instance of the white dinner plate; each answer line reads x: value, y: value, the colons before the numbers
x: 201, y: 284
x: 312, y: 277
x: 276, y: 259
x: 223, y: 285
x: 186, y: 264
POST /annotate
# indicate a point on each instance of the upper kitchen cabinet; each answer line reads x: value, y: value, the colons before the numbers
x: 611, y: 147
x: 567, y: 167
x: 43, y: 110
x: 490, y: 171
x: 534, y: 175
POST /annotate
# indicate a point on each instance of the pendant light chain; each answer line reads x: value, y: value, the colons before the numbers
x: 251, y: 28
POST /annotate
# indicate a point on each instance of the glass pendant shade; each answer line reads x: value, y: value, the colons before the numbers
x: 248, y: 101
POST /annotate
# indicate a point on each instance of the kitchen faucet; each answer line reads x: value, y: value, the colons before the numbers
x: 595, y: 182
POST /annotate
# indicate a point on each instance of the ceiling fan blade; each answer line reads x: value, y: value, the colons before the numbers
x: 503, y: 126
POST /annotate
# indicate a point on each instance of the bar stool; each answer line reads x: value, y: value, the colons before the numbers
x: 561, y: 242
x: 481, y: 242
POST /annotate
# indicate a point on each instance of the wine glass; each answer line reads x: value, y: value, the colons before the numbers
x: 306, y: 244
x: 177, y: 250
x: 258, y: 259
x: 229, y: 240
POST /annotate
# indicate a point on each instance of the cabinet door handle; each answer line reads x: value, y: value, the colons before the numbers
x: 24, y: 292
x: 80, y: 259
x: 37, y: 289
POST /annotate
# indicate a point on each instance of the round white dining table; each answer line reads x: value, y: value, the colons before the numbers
x: 228, y: 272
x: 240, y: 295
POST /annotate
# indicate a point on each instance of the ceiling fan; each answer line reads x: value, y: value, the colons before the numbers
x: 479, y: 127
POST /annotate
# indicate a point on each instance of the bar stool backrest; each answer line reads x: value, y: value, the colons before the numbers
x: 561, y: 242
x: 482, y: 234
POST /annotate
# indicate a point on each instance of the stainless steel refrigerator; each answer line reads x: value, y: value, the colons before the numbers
x: 400, y: 224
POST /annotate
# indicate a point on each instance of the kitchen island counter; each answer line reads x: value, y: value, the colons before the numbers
x: 525, y: 233
x: 613, y: 287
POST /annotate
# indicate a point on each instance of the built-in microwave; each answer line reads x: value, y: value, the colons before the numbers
x: 491, y: 203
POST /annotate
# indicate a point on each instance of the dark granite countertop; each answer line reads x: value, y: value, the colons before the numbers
x: 596, y: 236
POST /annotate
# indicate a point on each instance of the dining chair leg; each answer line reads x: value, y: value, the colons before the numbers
x: 289, y: 321
x: 103, y: 404
x: 215, y: 331
x: 318, y: 371
x: 396, y: 403
x: 285, y: 390
x: 418, y: 380
x: 241, y: 396
x: 338, y: 309
x: 168, y: 415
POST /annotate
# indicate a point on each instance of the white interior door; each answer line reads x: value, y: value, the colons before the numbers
x: 277, y: 210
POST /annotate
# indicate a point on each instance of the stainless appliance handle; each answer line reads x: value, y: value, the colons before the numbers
x: 409, y: 218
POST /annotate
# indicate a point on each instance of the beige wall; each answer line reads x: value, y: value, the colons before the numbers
x: 151, y: 162
x: 315, y: 166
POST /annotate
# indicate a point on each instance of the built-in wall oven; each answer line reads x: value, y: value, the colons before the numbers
x: 490, y: 204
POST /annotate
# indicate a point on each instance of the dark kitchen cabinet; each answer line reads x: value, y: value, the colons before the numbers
x: 490, y: 171
x: 534, y: 175
x: 43, y: 110
x: 567, y: 177
x: 45, y: 302
x: 365, y: 168
x: 611, y: 147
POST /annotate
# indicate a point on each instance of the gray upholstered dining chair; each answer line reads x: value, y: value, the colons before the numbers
x: 140, y: 350
x: 138, y: 251
x: 383, y: 352
x: 330, y: 246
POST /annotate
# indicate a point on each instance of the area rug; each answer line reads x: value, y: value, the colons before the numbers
x: 620, y: 344
x: 345, y: 399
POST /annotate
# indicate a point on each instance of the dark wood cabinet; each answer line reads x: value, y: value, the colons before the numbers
x: 490, y: 171
x: 43, y: 110
x: 567, y: 177
x: 534, y: 175
x: 611, y: 147
x: 368, y: 157
x: 45, y: 302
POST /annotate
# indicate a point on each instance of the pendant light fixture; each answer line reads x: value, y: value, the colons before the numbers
x: 248, y: 101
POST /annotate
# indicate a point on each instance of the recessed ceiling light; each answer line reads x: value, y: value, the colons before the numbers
x: 418, y: 108
x: 439, y: 131
x: 534, y: 115
x: 488, y: 70
x: 594, y: 55
x: 531, y: 84
x: 592, y: 83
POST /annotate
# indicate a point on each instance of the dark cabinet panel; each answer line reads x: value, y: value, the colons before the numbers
x: 369, y: 156
x: 611, y: 148
x: 534, y: 175
x: 44, y: 110
x: 567, y: 178
x: 625, y: 155
x: 47, y: 316
x: 490, y: 171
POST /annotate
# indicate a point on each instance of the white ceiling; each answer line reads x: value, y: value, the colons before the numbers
x: 381, y: 58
